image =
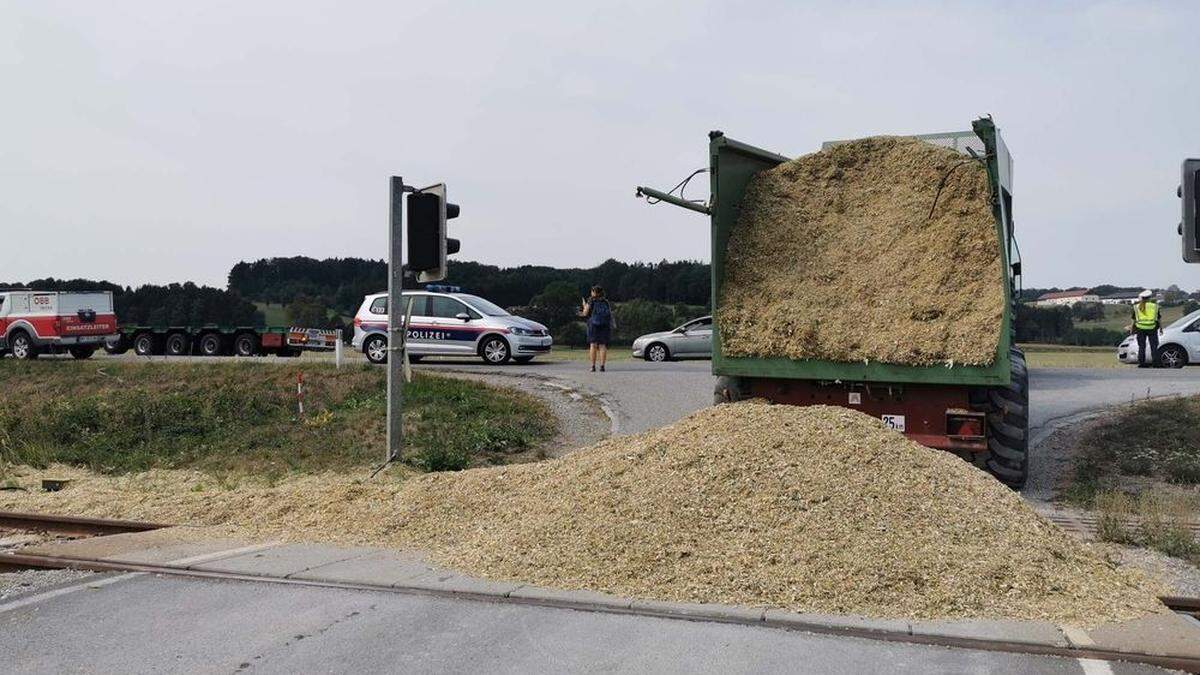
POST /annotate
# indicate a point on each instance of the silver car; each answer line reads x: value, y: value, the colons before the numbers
x: 1178, y: 345
x: 692, y: 340
x: 451, y: 324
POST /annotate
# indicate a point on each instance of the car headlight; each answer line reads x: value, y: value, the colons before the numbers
x: 520, y: 331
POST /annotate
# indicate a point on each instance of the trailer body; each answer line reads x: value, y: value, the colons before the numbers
x: 217, y: 340
x: 979, y: 412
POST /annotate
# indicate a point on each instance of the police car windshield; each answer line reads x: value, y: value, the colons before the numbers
x: 483, y: 305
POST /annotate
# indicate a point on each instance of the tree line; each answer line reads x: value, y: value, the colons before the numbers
x: 183, y: 304
x: 341, y: 283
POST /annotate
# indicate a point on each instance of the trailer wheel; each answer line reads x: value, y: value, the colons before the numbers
x: 176, y: 345
x: 210, y: 344
x: 82, y: 353
x: 22, y: 346
x: 728, y: 390
x: 1007, y: 457
x: 245, y: 345
x: 115, y: 347
x: 143, y: 344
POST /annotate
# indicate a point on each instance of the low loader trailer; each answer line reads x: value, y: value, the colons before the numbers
x: 978, y: 412
x: 215, y: 340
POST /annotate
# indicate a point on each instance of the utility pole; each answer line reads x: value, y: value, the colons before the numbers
x: 395, y: 360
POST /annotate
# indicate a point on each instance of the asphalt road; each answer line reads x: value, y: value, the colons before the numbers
x: 143, y: 624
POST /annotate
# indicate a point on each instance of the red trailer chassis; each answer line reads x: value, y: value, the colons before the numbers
x: 939, y: 416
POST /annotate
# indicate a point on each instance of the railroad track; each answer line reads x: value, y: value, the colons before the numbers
x: 71, y: 525
x: 1087, y: 525
x: 101, y: 527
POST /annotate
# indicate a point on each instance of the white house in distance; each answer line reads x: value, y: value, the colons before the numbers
x: 1120, y: 298
x: 1066, y: 297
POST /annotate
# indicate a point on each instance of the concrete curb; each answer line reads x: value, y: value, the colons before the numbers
x: 1173, y: 642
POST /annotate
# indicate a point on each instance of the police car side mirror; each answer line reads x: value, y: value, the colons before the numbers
x: 462, y: 316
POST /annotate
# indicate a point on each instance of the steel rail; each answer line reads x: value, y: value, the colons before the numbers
x: 71, y: 525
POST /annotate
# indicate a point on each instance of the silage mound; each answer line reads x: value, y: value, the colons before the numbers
x: 815, y: 509
x: 835, y: 256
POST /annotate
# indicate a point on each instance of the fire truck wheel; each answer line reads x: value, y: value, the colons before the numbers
x: 22, y: 346
x: 82, y: 353
x: 1007, y: 457
x: 210, y: 345
x: 176, y: 344
x: 245, y: 345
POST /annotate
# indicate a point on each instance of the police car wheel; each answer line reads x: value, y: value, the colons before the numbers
x: 376, y: 349
x: 495, y: 351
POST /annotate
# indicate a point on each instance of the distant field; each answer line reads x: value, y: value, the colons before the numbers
x: 1068, y: 356
x: 1117, y: 317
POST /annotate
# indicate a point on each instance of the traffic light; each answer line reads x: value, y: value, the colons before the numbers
x: 1189, y: 226
x: 428, y: 244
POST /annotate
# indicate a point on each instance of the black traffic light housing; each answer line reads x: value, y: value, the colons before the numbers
x: 428, y: 244
x: 1189, y: 227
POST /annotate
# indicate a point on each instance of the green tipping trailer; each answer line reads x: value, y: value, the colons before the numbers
x: 979, y: 412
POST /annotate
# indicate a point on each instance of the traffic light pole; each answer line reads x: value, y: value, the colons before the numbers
x: 395, y: 360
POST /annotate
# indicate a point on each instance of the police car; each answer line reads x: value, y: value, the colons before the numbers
x: 451, y: 324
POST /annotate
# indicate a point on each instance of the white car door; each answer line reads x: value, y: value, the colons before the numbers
x: 451, y: 334
x: 1191, y: 341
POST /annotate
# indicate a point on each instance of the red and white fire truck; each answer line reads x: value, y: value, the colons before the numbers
x: 52, y: 322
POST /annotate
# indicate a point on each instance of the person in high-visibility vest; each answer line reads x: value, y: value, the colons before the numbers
x: 1147, y: 325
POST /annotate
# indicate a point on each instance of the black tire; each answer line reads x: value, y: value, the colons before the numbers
x: 522, y: 359
x: 495, y: 351
x: 21, y: 346
x: 143, y: 344
x: 728, y: 390
x: 176, y: 345
x: 1172, y: 356
x: 657, y: 352
x: 210, y: 344
x: 115, y: 347
x: 82, y: 353
x: 375, y: 347
x: 1007, y: 456
x: 245, y: 345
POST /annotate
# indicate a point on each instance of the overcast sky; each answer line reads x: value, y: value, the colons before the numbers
x: 161, y: 141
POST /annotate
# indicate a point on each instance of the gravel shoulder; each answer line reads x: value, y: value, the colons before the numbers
x: 581, y: 416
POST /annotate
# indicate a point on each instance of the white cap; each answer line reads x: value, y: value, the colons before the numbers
x: 1145, y: 294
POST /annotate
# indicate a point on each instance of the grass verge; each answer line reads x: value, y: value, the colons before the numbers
x: 242, y: 417
x: 1068, y: 356
x: 1140, y: 470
